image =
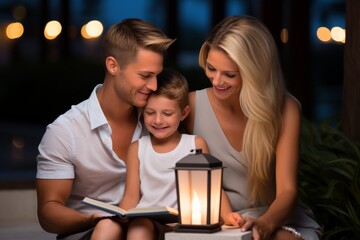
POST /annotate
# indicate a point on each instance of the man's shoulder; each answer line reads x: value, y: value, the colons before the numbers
x: 73, y: 119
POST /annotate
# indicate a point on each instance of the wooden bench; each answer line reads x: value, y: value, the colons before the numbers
x: 226, y: 233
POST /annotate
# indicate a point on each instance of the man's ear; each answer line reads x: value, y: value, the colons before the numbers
x: 111, y: 65
x: 185, y: 112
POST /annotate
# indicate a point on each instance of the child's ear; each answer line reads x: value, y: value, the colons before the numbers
x: 185, y: 112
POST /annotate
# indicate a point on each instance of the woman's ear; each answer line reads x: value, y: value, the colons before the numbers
x: 111, y: 65
x: 185, y: 112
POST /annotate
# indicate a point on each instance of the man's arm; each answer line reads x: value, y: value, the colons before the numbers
x: 54, y: 216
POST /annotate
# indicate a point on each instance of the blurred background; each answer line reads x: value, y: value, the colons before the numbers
x: 50, y: 58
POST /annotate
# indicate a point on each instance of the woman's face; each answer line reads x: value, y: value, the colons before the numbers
x: 223, y: 73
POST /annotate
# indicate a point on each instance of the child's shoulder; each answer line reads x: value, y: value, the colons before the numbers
x: 200, y: 142
x: 188, y: 135
x: 143, y: 138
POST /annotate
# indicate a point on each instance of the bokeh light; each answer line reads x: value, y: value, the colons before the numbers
x: 14, y: 30
x: 338, y: 34
x: 323, y: 34
x: 52, y: 30
x: 284, y: 35
x: 93, y: 29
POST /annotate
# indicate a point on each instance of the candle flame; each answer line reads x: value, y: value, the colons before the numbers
x: 196, y: 213
x: 195, y: 203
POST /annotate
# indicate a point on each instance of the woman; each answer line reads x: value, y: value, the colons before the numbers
x: 252, y: 124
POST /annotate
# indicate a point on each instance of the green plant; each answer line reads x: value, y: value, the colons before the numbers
x: 329, y: 178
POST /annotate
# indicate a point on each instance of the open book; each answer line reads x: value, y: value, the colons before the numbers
x: 162, y: 214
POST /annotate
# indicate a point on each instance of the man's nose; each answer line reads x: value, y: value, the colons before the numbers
x: 152, y: 84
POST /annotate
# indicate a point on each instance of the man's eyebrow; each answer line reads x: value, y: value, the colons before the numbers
x: 146, y: 72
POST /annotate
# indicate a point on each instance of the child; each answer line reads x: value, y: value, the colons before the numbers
x: 150, y: 178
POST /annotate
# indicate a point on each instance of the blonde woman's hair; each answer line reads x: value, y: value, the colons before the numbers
x: 251, y: 46
x: 123, y: 40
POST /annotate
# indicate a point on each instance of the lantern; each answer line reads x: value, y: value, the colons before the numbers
x: 198, y: 184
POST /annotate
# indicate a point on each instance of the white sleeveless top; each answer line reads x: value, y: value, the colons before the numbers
x: 157, y: 176
x: 236, y: 167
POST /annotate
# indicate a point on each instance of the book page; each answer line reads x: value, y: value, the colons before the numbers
x: 161, y: 214
x: 104, y: 206
x: 158, y: 209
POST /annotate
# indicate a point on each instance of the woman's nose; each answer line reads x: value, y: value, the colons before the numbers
x: 216, y: 78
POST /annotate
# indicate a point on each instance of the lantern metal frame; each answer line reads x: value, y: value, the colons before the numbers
x: 200, y: 162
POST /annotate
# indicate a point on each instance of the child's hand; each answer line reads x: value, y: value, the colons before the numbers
x: 233, y: 219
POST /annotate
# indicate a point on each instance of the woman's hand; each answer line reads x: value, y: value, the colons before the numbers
x: 260, y: 229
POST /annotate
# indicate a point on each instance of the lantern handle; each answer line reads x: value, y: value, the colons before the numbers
x: 197, y: 151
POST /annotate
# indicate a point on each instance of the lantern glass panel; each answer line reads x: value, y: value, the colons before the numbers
x: 215, y: 195
x: 193, y: 186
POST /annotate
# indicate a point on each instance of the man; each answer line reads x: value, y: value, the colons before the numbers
x: 82, y: 153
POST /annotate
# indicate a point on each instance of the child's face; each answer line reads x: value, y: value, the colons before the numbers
x: 162, y: 116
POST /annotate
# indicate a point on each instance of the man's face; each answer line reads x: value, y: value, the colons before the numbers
x: 137, y: 80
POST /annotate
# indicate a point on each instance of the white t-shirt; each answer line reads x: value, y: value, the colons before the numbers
x: 78, y: 145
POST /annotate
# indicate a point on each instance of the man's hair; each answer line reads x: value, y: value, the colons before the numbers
x: 123, y: 40
x: 174, y: 86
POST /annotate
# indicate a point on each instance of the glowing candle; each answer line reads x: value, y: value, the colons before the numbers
x: 196, y: 215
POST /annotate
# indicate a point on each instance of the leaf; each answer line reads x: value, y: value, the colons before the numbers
x: 329, y: 178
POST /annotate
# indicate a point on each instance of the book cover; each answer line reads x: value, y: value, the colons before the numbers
x: 163, y: 214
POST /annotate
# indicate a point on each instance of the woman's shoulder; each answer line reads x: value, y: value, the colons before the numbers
x: 292, y: 100
x: 292, y: 107
x: 200, y: 93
